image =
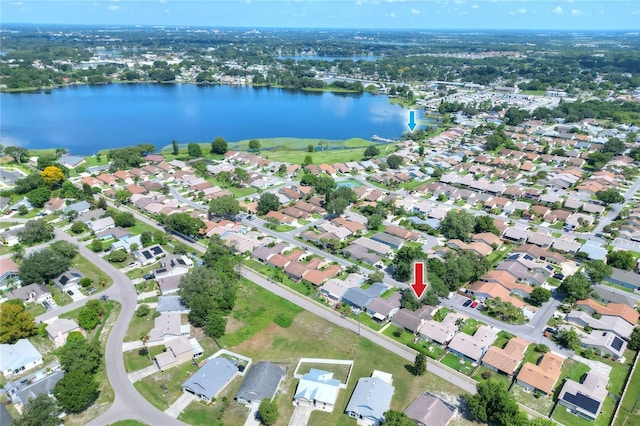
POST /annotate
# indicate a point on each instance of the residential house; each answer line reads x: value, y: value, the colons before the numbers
x: 126, y: 243
x: 620, y: 310
x: 22, y: 391
x: 374, y: 246
x: 100, y: 225
x: 613, y: 324
x: 517, y: 235
x: 116, y: 233
x: 71, y: 161
x: 173, y: 265
x: 487, y: 290
x: 78, y: 208
x: 168, y: 326
x: 261, y: 382
x: 606, y: 295
x: 472, y: 347
x: 171, y: 304
x: 410, y: 320
x: 384, y: 309
x: 539, y: 253
x: 317, y: 389
x: 335, y: 288
x: 210, y: 379
x: 361, y: 253
x: 371, y: 398
x: 68, y: 280
x: 8, y: 273
x: 148, y: 255
x: 603, y: 342
x: 429, y: 410
x: 585, y: 399
x: 488, y: 238
x: 359, y: 298
x: 543, y: 376
x: 400, y: 232
x: 624, y: 278
x: 18, y: 357
x: 594, y: 250
x: 505, y: 360
x: 177, y: 351
x: 566, y: 245
x: 59, y: 330
x: 441, y: 332
x: 32, y: 293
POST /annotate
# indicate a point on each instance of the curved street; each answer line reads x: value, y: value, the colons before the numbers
x: 128, y: 403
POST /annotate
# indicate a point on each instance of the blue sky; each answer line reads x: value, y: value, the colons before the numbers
x: 377, y: 14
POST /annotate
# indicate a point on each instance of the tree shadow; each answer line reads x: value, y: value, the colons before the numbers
x: 410, y: 368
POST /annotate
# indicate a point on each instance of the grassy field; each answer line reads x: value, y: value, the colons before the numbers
x: 471, y: 325
x: 317, y: 157
x: 299, y: 143
x: 128, y: 423
x: 138, y: 359
x: 252, y: 331
x: 629, y: 413
x: 138, y: 325
x: 457, y: 363
x: 90, y: 270
x: 542, y: 405
x: 279, y: 276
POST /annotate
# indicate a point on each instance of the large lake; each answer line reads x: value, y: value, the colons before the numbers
x: 86, y: 119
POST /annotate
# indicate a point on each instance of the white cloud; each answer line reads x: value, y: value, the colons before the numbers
x: 557, y: 10
x: 113, y: 7
x: 576, y: 12
x: 17, y: 3
x: 167, y: 10
x: 391, y: 15
x: 162, y: 1
x: 519, y: 11
x: 415, y: 11
x: 475, y: 6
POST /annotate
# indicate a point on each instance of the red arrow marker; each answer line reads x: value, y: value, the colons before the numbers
x: 418, y: 286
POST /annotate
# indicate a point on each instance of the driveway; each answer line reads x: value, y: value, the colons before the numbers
x: 300, y: 415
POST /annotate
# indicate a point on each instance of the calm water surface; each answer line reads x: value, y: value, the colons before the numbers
x: 86, y: 119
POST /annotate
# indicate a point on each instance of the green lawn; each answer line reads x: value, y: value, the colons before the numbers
x: 399, y: 334
x: 573, y: 370
x: 317, y: 157
x: 35, y: 309
x: 619, y: 372
x: 441, y: 313
x: 255, y: 310
x: 4, y: 225
x: 137, y: 359
x: 629, y: 413
x: 311, y: 336
x: 491, y: 375
x: 542, y: 404
x: 128, y: 423
x: 298, y: 143
x: 140, y: 272
x: 280, y: 276
x: 457, y: 363
x: 563, y: 416
x: 138, y: 325
x: 430, y: 349
x: 163, y: 388
x: 365, y: 320
x: 471, y: 325
x: 90, y: 270
x: 501, y: 339
x: 224, y: 411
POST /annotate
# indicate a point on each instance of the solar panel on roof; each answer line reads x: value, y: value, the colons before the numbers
x: 583, y: 401
x: 513, y: 257
x: 617, y: 343
x: 147, y: 255
x: 549, y: 267
x: 526, y: 256
x: 156, y: 250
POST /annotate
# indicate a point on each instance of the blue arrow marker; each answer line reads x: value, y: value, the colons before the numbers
x: 412, y: 120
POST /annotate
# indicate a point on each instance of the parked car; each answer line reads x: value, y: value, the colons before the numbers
x: 551, y: 330
x: 474, y: 304
x: 480, y: 306
x: 70, y: 293
x: 467, y: 303
x: 46, y: 306
x: 148, y: 276
x: 558, y: 276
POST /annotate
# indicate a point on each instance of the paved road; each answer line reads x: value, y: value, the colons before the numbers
x: 128, y: 404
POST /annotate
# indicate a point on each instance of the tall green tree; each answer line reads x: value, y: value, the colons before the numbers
x: 219, y: 146
x: 420, y: 364
x: 224, y: 206
x: 254, y: 145
x: 175, y: 147
x: 194, y: 151
x: 609, y: 196
x: 39, y: 411
x: 493, y: 404
x: 184, y: 223
x: 15, y: 322
x: 36, y: 231
x: 397, y: 418
x: 76, y: 391
x: 81, y: 355
x: 597, y: 270
x: 267, y: 202
x: 268, y: 412
x: 458, y: 224
x: 576, y: 287
x: 621, y: 259
x: 42, y: 265
x: 569, y: 339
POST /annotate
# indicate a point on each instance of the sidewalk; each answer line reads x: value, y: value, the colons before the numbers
x: 129, y: 346
x: 141, y: 374
x: 181, y: 403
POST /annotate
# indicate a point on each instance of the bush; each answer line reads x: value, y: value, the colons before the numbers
x: 142, y: 311
x: 88, y: 319
x: 486, y: 374
x: 78, y: 227
x: 541, y: 348
x: 85, y: 282
x: 283, y: 321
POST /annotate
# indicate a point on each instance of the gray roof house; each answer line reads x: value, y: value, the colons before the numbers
x: 384, y: 309
x: 261, y: 382
x: 67, y: 279
x: 37, y: 293
x: 371, y: 398
x: 210, y: 379
x: 18, y: 357
x: 624, y: 278
x: 359, y: 298
x: 171, y: 304
x: 79, y: 207
x: 605, y: 342
x: 388, y: 239
x: 610, y: 296
x: 429, y: 410
x: 45, y: 385
x: 585, y: 399
x: 594, y: 250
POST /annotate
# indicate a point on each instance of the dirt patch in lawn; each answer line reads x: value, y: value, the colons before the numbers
x: 233, y: 325
x: 260, y: 340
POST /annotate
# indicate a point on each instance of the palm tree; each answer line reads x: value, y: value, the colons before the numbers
x: 144, y: 338
x: 17, y: 252
x: 460, y: 323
